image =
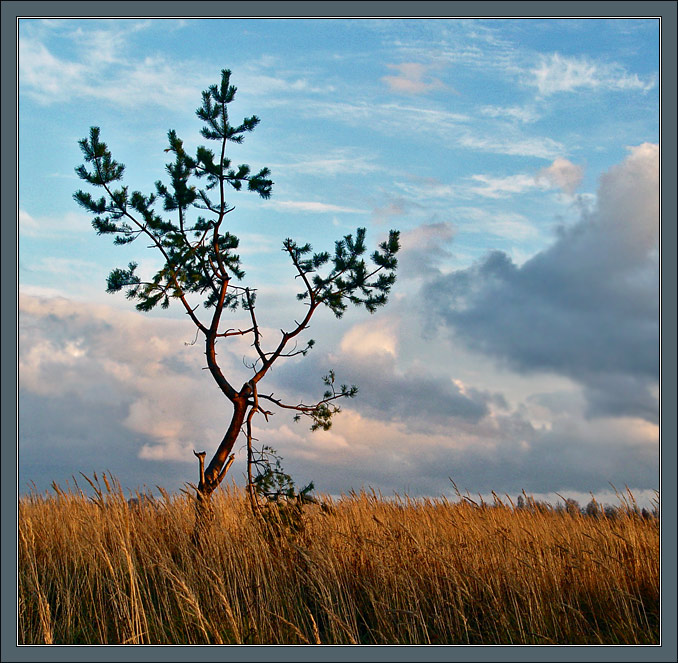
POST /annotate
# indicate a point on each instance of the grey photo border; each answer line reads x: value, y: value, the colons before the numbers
x: 11, y: 10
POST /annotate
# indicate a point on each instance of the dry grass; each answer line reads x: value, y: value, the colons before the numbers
x: 364, y: 571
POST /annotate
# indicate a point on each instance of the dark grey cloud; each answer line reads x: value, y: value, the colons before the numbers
x: 62, y: 436
x: 587, y: 307
x: 423, y: 401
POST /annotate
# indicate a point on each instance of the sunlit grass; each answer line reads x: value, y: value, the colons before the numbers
x: 360, y: 570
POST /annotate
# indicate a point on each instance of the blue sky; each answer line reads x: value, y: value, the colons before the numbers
x: 519, y: 160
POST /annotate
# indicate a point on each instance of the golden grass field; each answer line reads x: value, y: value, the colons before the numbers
x: 362, y: 570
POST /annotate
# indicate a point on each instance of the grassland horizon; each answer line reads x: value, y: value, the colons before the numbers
x: 360, y: 569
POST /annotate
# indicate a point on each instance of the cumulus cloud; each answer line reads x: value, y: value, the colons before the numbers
x: 102, y: 389
x: 106, y: 389
x: 562, y: 174
x: 413, y: 78
x: 370, y: 339
x: 419, y: 398
x: 93, y: 359
x: 586, y: 307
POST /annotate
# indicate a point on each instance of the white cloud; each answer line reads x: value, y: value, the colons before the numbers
x: 63, y: 269
x: 370, y: 339
x: 110, y: 74
x: 171, y: 450
x: 523, y: 114
x: 27, y: 224
x: 562, y: 174
x: 51, y: 226
x: 135, y: 392
x: 390, y: 117
x: 396, y: 207
x: 496, y: 187
x: 46, y: 77
x: 257, y: 243
x: 541, y: 147
x: 556, y: 73
x: 503, y: 452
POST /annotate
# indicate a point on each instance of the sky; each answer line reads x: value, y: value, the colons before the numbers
x: 518, y: 158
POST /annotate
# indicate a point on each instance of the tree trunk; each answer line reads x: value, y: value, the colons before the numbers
x: 216, y: 470
x: 204, y: 517
x: 212, y: 477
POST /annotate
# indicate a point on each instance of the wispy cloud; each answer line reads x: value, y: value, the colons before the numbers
x: 489, y: 46
x: 393, y: 207
x: 52, y: 226
x: 523, y: 114
x: 312, y: 206
x: 107, y: 72
x: 454, y: 129
x: 261, y: 84
x: 335, y: 162
x: 389, y: 117
x: 509, y: 225
x: 497, y: 187
x: 557, y: 73
x: 517, y: 145
x: 561, y: 174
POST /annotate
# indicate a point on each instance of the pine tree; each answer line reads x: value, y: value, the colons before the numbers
x: 200, y: 261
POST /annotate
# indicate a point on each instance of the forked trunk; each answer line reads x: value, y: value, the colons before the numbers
x: 211, y: 478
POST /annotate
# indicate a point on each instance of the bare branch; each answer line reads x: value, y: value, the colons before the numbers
x: 225, y: 469
x: 235, y: 332
x: 255, y: 325
x: 200, y: 455
x: 310, y: 290
x: 301, y: 407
